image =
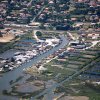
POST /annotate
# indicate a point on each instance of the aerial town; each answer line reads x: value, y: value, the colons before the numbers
x: 49, y: 49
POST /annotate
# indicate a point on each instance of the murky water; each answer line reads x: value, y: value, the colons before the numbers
x: 12, y: 75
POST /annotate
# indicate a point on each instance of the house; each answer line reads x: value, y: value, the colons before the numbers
x: 23, y: 20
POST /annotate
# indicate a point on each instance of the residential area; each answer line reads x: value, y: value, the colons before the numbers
x: 50, y: 50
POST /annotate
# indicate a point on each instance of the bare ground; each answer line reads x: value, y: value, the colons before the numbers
x: 7, y: 38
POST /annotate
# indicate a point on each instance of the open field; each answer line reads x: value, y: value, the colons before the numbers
x: 7, y: 38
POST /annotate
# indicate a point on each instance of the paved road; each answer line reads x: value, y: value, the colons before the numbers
x: 34, y: 28
x: 38, y: 14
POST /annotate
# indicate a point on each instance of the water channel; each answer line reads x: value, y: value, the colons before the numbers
x: 14, y: 74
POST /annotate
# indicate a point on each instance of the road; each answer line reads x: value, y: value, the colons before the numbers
x: 38, y: 14
x: 46, y: 91
x: 33, y: 28
x: 72, y: 37
x: 93, y: 44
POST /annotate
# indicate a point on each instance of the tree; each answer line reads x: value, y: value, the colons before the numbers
x: 0, y: 34
x: 9, y: 1
x: 38, y: 33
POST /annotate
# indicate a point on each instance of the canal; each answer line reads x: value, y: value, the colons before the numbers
x: 13, y: 75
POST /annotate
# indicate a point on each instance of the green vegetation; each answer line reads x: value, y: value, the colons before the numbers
x: 11, y: 45
x: 38, y: 33
x: 79, y: 87
x: 27, y: 36
x: 6, y: 46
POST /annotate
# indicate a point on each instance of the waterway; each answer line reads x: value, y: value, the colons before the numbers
x: 13, y: 75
